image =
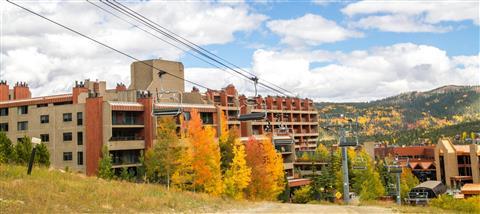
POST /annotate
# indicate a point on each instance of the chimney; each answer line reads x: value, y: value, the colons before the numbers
x: 21, y: 91
x: 77, y: 90
x: 120, y: 87
x: 4, y: 90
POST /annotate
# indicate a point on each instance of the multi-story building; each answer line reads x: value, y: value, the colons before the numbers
x: 76, y: 125
x: 458, y: 164
x: 420, y: 159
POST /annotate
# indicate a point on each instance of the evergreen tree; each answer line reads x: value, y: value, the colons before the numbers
x: 105, y: 170
x: 7, y: 151
x: 226, y: 141
x: 23, y: 150
x: 42, y: 155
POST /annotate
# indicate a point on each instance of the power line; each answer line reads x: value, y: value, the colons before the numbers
x: 197, y: 46
x: 148, y: 23
x: 176, y: 46
x: 103, y: 44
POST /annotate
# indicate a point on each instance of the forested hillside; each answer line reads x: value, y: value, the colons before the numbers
x: 407, y: 117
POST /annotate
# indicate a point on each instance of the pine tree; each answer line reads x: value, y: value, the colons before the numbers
x: 237, y: 176
x: 162, y: 160
x: 226, y: 141
x: 205, y: 156
x: 42, y: 155
x: 23, y: 150
x: 105, y: 170
x: 7, y: 151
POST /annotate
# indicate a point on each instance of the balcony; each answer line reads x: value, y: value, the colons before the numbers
x: 126, y: 145
x: 122, y: 118
x: 125, y: 158
x: 126, y: 138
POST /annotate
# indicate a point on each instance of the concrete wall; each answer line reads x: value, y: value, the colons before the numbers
x: 54, y: 128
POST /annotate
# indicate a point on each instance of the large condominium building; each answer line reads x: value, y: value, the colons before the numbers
x: 75, y: 126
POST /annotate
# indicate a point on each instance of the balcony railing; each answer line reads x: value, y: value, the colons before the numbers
x: 126, y: 138
x: 125, y: 160
x: 127, y: 122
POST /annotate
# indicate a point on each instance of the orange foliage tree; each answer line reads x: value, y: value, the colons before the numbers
x: 267, y: 175
x: 207, y: 175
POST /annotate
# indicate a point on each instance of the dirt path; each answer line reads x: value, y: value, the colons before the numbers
x: 310, y: 208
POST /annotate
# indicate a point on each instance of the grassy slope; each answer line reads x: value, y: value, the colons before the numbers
x: 52, y: 191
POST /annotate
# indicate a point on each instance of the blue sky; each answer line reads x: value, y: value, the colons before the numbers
x: 327, y: 51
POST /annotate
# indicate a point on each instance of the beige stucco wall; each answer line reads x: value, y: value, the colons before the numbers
x: 445, y: 147
x: 474, y: 159
x: 55, y: 128
x: 145, y: 77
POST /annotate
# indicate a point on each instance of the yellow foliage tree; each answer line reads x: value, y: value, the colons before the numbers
x: 237, y: 176
x: 205, y: 156
x: 184, y: 175
x: 267, y: 170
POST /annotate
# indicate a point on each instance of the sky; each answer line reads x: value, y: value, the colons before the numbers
x: 324, y: 50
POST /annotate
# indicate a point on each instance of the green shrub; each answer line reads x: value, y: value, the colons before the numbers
x: 447, y: 202
x: 302, y: 195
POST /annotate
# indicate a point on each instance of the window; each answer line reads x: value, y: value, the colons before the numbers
x: 79, y: 138
x: 80, y: 158
x: 207, y: 118
x: 67, y: 117
x: 23, y: 110
x: 3, y: 111
x: 3, y: 127
x: 22, y: 126
x: 79, y: 118
x: 67, y: 136
x: 44, y: 119
x: 67, y: 156
x: 45, y: 137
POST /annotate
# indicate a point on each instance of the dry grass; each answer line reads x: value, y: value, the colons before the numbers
x: 56, y: 192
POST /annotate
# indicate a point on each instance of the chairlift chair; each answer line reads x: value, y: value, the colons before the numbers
x: 167, y: 112
x: 395, y: 169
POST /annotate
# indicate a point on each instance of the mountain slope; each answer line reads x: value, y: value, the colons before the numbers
x: 434, y: 109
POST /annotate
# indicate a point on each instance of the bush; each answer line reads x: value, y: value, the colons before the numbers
x: 470, y: 205
x: 302, y: 195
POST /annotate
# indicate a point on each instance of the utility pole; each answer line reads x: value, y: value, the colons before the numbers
x: 344, y: 144
x: 346, y: 189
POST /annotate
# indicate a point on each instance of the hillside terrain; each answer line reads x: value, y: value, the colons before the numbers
x: 51, y: 191
x: 449, y: 111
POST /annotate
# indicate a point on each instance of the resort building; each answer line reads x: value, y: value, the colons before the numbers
x: 76, y: 125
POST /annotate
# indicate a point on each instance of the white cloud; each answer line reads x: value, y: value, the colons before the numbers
x: 360, y: 75
x: 310, y: 29
x: 411, y: 16
x: 51, y: 58
x: 366, y: 75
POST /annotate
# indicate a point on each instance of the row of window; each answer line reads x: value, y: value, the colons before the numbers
x: 67, y: 136
x: 68, y: 156
x: 24, y: 109
x: 23, y: 125
x: 67, y: 117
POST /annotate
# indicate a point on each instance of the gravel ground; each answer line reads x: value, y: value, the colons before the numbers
x: 309, y: 208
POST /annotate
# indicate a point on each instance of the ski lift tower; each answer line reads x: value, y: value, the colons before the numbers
x: 347, y: 134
